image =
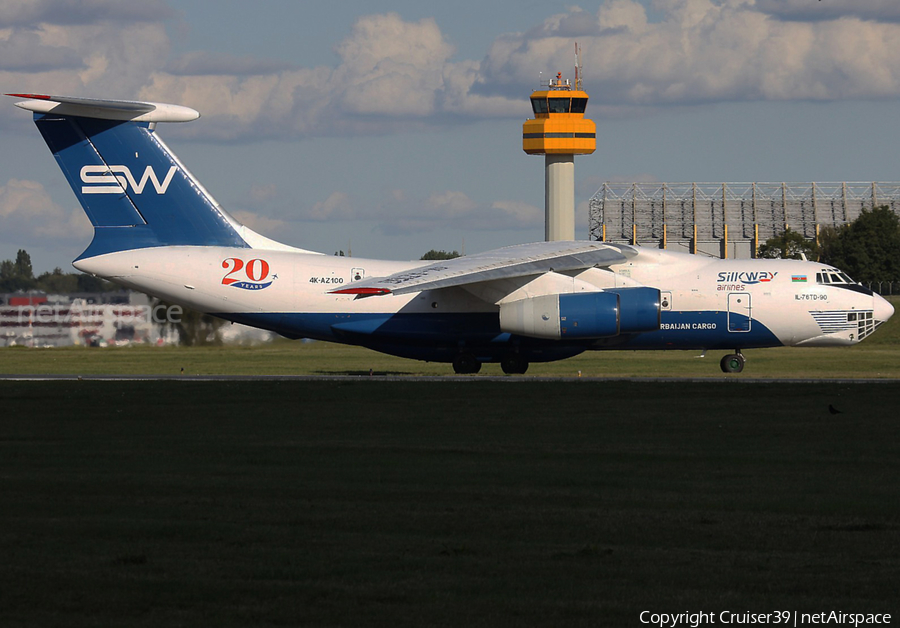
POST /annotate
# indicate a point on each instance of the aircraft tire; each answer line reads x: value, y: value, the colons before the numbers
x: 514, y: 365
x: 732, y: 363
x: 466, y: 364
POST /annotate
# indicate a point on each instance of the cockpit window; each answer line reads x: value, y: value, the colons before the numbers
x: 832, y: 276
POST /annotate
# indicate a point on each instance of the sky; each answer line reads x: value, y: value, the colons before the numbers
x: 386, y: 128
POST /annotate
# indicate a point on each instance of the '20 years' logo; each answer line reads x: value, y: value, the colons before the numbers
x: 254, y: 275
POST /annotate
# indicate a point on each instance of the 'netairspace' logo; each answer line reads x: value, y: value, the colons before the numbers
x: 750, y: 277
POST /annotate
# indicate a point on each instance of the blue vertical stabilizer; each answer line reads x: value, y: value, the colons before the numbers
x: 133, y: 189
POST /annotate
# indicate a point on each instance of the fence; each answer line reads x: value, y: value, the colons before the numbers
x: 728, y: 219
x: 884, y: 288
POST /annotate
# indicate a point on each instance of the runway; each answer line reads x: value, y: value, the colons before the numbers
x: 517, y: 379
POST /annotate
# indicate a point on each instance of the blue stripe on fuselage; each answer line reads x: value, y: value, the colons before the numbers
x: 348, y: 327
x: 435, y: 337
x: 438, y: 337
x: 704, y: 330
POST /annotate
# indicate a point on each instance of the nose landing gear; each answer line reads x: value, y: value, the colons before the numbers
x: 732, y: 362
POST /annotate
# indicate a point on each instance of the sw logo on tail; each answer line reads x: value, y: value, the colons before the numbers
x: 103, y: 180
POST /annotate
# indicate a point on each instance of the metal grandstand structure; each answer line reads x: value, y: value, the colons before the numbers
x: 727, y: 219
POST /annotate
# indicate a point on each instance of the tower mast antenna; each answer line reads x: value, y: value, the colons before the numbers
x: 579, y: 72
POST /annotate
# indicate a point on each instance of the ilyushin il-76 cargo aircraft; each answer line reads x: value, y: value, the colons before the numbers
x: 157, y: 230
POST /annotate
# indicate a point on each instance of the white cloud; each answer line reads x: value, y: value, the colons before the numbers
x: 402, y: 214
x: 399, y: 212
x: 522, y: 214
x: 23, y: 51
x: 449, y: 205
x: 260, y: 224
x: 805, y: 10
x: 394, y: 75
x: 705, y: 51
x: 391, y: 67
x: 27, y: 211
x: 260, y: 193
x: 201, y: 62
x: 338, y: 206
x: 103, y: 59
x: 28, y: 12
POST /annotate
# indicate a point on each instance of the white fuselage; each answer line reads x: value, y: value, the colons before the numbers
x: 705, y: 303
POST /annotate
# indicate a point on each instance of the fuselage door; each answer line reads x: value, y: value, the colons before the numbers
x: 739, y: 312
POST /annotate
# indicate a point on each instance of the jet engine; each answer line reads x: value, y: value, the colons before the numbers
x: 583, y: 315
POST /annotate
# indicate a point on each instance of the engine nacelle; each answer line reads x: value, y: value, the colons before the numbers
x: 583, y: 315
x: 639, y: 309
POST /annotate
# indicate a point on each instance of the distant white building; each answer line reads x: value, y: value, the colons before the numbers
x: 98, y: 319
x: 42, y: 320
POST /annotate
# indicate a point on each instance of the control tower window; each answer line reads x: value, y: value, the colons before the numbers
x: 559, y: 105
x: 579, y: 105
x: 539, y: 105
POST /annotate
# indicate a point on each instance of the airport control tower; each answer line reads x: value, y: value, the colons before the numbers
x: 559, y: 132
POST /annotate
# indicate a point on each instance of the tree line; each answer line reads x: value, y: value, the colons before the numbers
x: 18, y: 275
x: 867, y: 249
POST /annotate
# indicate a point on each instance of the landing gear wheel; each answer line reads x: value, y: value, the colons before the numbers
x: 514, y: 365
x: 466, y: 364
x: 732, y: 363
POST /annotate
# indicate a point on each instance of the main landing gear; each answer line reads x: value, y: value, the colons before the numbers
x: 466, y: 364
x: 514, y: 364
x: 733, y: 362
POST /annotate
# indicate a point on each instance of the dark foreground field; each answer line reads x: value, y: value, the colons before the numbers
x: 458, y: 503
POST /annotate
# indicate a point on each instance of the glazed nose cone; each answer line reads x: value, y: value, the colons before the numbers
x: 883, y: 309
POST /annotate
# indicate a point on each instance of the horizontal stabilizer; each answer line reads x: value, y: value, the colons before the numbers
x: 135, y: 111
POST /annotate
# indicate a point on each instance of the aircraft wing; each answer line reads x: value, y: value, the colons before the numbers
x: 512, y: 261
